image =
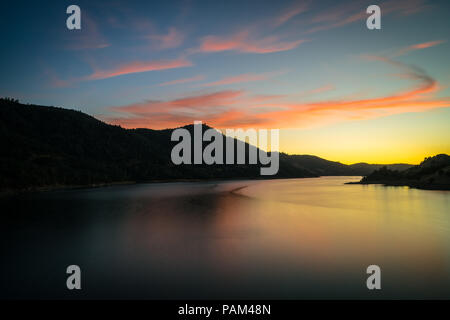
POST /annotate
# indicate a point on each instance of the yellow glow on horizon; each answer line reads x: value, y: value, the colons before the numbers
x: 407, y: 138
x: 378, y: 156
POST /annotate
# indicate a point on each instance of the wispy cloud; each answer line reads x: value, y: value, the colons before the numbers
x: 137, y: 67
x: 347, y: 13
x: 322, y: 89
x: 196, y: 102
x: 290, y: 13
x: 54, y: 80
x: 243, y: 42
x: 183, y: 80
x: 233, y: 108
x: 165, y: 114
x: 418, y: 46
x: 89, y: 37
x: 259, y: 37
x: 173, y: 39
x: 246, y: 77
x: 417, y: 98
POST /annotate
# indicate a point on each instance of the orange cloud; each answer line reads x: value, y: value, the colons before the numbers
x: 241, y: 42
x: 325, y: 88
x: 250, y: 39
x: 174, y: 38
x: 347, y: 13
x: 217, y: 99
x: 183, y: 80
x: 137, y: 67
x: 247, y: 77
x: 55, y: 81
x: 89, y: 37
x: 239, y: 109
x: 289, y: 13
x: 419, y: 46
x: 426, y: 44
x: 163, y: 114
x: 417, y: 98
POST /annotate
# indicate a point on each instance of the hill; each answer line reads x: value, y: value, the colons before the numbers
x: 432, y: 173
x: 50, y: 147
x: 324, y: 167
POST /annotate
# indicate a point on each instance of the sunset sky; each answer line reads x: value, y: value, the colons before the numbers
x: 310, y: 68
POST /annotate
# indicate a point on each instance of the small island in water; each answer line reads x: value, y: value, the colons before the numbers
x: 433, y: 174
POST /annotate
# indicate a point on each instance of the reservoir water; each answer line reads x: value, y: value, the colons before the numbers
x: 257, y: 239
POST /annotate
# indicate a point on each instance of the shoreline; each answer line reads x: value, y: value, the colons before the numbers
x: 410, y: 184
x: 13, y: 192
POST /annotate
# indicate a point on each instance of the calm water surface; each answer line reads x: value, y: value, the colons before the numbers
x: 285, y: 239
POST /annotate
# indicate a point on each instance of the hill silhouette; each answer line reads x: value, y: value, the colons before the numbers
x: 50, y: 147
x: 324, y: 167
x: 432, y: 173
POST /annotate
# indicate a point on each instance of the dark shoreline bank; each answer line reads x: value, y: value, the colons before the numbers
x: 14, y: 192
x: 431, y: 174
x: 405, y: 184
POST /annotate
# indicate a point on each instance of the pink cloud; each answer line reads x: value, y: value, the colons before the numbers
x: 164, y: 114
x: 183, y: 80
x: 427, y: 44
x: 321, y: 89
x: 290, y: 12
x: 137, y: 67
x: 419, y: 46
x: 232, y: 108
x: 198, y: 102
x: 89, y: 37
x: 241, y: 42
x: 54, y: 80
x: 344, y: 14
x: 247, y: 77
x: 250, y: 39
x: 174, y: 38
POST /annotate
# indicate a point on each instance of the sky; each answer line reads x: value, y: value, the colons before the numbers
x: 312, y: 69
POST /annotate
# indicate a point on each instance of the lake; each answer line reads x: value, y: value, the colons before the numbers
x: 258, y: 239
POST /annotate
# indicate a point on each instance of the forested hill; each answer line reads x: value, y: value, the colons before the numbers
x: 432, y: 173
x: 52, y: 147
x: 324, y: 167
x: 48, y: 146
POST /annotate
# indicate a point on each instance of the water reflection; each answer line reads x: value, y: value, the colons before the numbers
x: 296, y: 238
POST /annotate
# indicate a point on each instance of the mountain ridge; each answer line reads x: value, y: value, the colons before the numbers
x: 45, y: 146
x: 433, y: 174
